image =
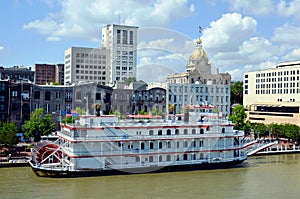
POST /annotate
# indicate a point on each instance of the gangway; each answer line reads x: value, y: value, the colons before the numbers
x: 261, y: 148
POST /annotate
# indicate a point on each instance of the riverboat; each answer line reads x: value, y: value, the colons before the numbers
x: 108, y: 145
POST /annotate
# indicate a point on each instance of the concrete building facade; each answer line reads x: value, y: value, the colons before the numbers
x: 86, y: 64
x: 121, y: 40
x: 273, y: 95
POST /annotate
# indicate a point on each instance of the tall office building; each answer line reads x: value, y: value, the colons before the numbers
x: 121, y: 40
x: 272, y: 95
x: 86, y: 64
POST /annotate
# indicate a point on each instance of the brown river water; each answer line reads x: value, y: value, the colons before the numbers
x: 273, y: 176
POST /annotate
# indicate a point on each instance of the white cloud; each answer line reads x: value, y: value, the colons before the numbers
x: 261, y: 7
x: 287, y: 34
x: 289, y: 8
x: 1, y: 48
x: 228, y: 32
x: 293, y: 55
x: 84, y: 19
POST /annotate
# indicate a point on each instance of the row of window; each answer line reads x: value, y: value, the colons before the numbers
x: 87, y: 55
x: 198, y: 89
x: 279, y: 73
x: 276, y: 91
x: 163, y: 158
x: 185, y: 144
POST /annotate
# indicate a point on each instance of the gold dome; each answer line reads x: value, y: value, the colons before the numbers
x: 198, y: 53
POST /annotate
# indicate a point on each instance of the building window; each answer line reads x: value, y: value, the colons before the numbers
x: 47, y: 95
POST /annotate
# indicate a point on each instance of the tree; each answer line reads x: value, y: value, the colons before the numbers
x: 38, y: 125
x: 129, y: 80
x: 8, y: 136
x: 260, y: 130
x: 236, y: 93
x: 238, y: 117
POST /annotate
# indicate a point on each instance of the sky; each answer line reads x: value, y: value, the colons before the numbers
x: 237, y: 35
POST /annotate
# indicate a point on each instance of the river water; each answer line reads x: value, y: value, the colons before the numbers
x: 274, y: 176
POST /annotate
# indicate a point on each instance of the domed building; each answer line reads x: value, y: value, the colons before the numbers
x: 198, y: 70
x: 198, y: 85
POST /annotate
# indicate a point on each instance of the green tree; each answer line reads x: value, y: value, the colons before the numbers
x: 290, y: 131
x: 260, y: 130
x: 8, y: 136
x: 80, y: 111
x: 236, y: 93
x: 38, y: 124
x: 129, y: 80
x: 238, y: 117
x: 274, y: 130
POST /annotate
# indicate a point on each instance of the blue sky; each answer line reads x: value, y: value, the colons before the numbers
x: 238, y: 35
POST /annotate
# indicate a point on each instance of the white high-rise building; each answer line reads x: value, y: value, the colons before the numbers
x: 121, y: 40
x: 86, y: 64
x: 272, y: 95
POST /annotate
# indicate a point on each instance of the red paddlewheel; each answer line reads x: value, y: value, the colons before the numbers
x: 49, y: 153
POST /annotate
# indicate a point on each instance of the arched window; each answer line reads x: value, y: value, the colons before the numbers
x: 150, y: 158
x: 177, y: 158
x: 194, y: 156
x: 185, y: 131
x: 185, y: 143
x: 177, y: 144
x: 223, y: 130
x: 142, y: 146
x: 159, y: 132
x: 201, y: 131
x: 169, y: 132
x: 160, y: 158
x: 193, y: 131
x: 185, y: 156
x: 201, y: 156
x: 168, y: 158
x: 194, y: 143
x: 160, y: 145
x: 168, y: 144
x: 207, y: 128
x: 176, y: 131
x: 151, y: 132
x: 151, y: 145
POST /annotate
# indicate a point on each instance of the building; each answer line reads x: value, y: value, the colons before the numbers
x: 139, y: 97
x: 4, y: 100
x: 86, y: 64
x: 60, y: 70
x: 88, y: 94
x: 17, y: 73
x: 121, y: 40
x: 44, y: 73
x: 198, y: 85
x: 19, y: 106
x: 273, y: 95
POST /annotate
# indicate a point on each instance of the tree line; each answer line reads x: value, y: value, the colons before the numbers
x: 273, y: 130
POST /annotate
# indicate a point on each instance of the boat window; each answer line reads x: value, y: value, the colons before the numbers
x: 223, y: 130
x: 160, y: 158
x: 137, y: 158
x: 177, y: 131
x: 150, y: 158
x: 185, y: 156
x: 201, y: 143
x: 193, y: 131
x: 207, y: 128
x: 142, y: 146
x: 177, y: 144
x: 185, y: 131
x: 177, y: 158
x: 194, y: 156
x: 194, y: 143
x: 169, y: 132
x: 168, y: 158
x: 168, y: 144
x: 160, y: 145
x: 201, y: 131
x: 185, y: 143
x: 151, y: 132
x: 151, y: 145
x: 159, y: 132
x: 201, y: 156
